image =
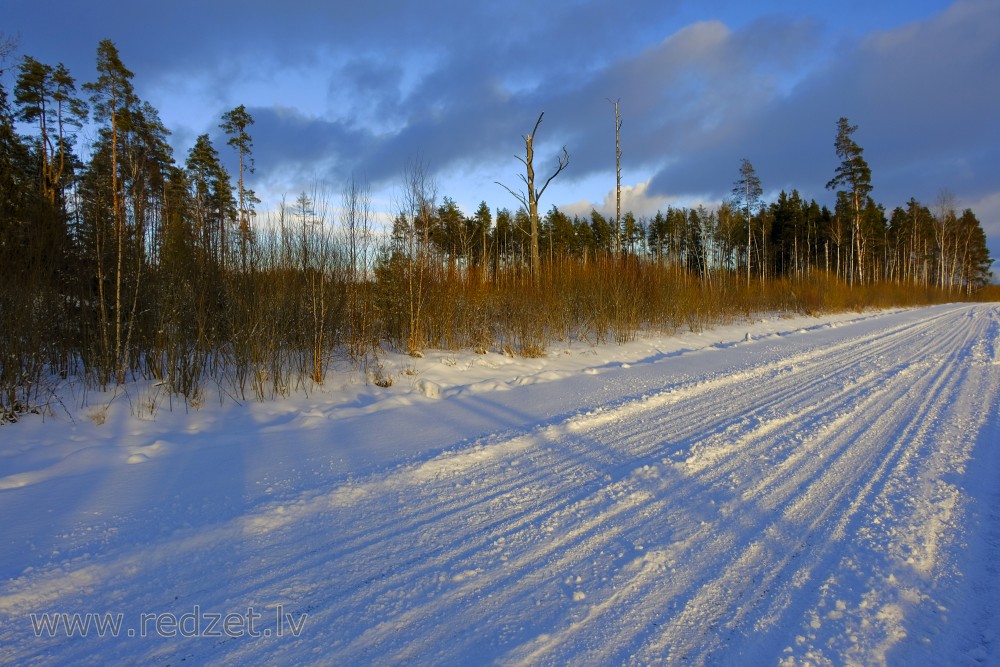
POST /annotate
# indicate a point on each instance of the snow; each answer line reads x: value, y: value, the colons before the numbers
x: 793, y: 491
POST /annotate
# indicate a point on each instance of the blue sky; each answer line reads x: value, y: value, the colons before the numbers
x: 342, y: 88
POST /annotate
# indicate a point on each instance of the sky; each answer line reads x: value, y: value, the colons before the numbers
x: 369, y: 89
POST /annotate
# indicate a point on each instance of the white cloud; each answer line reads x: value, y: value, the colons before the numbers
x: 635, y: 198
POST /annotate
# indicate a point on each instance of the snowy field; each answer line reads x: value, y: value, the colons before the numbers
x: 794, y: 491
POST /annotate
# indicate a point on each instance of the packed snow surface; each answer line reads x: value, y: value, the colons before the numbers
x: 794, y: 491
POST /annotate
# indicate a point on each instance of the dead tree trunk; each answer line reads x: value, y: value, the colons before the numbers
x: 530, y: 200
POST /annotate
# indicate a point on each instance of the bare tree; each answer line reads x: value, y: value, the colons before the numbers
x: 8, y: 45
x: 530, y: 200
x: 417, y: 206
x: 618, y: 181
x: 357, y: 226
x: 944, y: 224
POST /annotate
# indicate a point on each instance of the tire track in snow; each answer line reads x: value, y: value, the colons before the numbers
x: 820, y: 515
x: 687, y: 521
x: 724, y: 540
x: 631, y: 406
x: 913, y: 529
x: 542, y: 564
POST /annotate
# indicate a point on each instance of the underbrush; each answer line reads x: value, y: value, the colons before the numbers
x: 280, y: 329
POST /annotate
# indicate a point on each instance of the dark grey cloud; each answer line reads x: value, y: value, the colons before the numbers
x: 304, y: 150
x: 689, y: 94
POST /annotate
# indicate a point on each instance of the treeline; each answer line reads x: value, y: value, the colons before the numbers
x: 790, y: 237
x: 135, y: 264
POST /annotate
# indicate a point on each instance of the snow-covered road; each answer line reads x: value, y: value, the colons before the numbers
x: 825, y: 494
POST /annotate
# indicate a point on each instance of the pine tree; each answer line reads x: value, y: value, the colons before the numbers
x: 213, y: 199
x: 448, y: 234
x: 604, y: 233
x: 15, y: 204
x: 746, y: 196
x: 482, y: 222
x: 235, y: 124
x: 853, y: 177
x: 46, y: 97
x: 976, y: 260
x: 113, y: 97
x: 33, y: 94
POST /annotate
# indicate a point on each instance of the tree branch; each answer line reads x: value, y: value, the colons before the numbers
x: 518, y: 196
x: 537, y: 123
x: 563, y: 163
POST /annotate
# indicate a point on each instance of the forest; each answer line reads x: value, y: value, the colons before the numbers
x: 136, y: 263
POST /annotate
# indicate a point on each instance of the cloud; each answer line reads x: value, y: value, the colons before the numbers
x: 635, y: 198
x: 923, y: 96
x: 301, y: 150
x: 987, y: 210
